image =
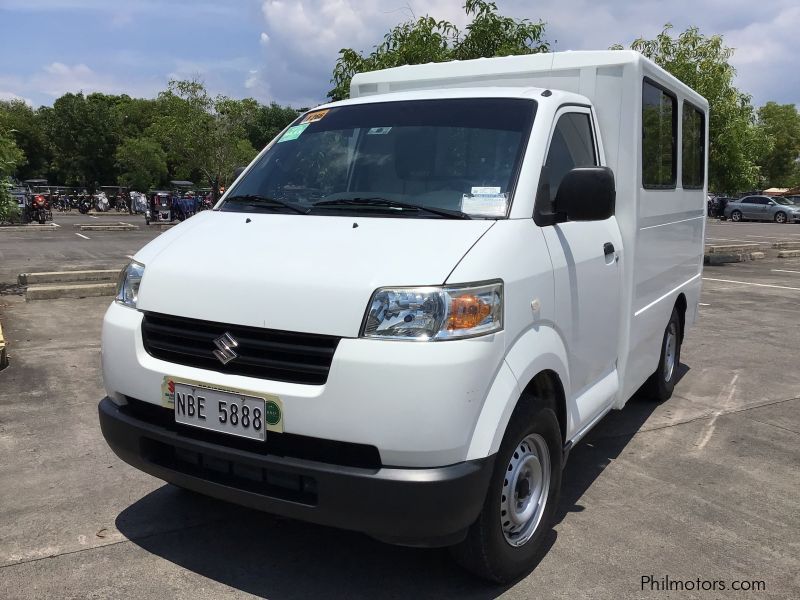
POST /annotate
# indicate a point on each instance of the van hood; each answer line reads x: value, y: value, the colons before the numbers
x: 302, y: 273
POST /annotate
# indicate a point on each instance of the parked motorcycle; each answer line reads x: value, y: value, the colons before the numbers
x: 85, y: 205
x: 40, y: 208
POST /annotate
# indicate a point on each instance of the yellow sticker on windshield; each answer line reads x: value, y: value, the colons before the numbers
x: 314, y: 116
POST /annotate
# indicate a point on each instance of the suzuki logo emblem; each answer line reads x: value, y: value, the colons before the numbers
x: 225, y: 344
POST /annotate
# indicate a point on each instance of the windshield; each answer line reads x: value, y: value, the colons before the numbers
x: 422, y: 158
x: 782, y: 201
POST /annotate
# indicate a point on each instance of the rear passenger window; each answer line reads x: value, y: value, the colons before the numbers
x: 572, y: 146
x: 693, y: 146
x: 659, y: 131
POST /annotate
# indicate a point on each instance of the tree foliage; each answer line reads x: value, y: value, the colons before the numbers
x: 703, y: 63
x: 430, y: 40
x: 781, y: 124
x: 103, y: 139
x: 142, y: 163
x: 10, y: 157
x: 201, y: 133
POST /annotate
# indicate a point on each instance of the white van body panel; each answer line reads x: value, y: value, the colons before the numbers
x: 298, y: 273
x: 662, y: 231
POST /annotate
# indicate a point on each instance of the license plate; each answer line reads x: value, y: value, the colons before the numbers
x: 226, y: 412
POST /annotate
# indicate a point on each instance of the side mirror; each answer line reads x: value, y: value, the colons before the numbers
x: 586, y: 194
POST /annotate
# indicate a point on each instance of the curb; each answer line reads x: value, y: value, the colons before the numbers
x: 85, y: 290
x: 786, y: 245
x: 96, y: 275
x: 788, y: 253
x: 31, y: 227
x: 731, y: 248
x: 110, y: 227
x: 721, y: 259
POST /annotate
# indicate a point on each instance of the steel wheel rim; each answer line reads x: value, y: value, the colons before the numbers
x: 526, y: 486
x: 736, y: 216
x: 670, y: 350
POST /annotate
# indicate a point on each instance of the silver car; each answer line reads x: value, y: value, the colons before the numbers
x: 762, y: 208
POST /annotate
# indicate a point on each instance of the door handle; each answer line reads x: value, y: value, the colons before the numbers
x: 608, y: 248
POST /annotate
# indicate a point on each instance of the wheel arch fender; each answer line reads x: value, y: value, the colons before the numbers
x: 538, y: 350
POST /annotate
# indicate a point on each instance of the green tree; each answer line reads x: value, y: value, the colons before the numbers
x: 10, y: 157
x: 25, y: 126
x: 201, y: 133
x: 142, y: 163
x: 781, y: 123
x: 430, y: 40
x: 84, y: 132
x: 702, y: 63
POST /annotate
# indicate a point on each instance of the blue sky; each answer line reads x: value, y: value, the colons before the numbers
x: 284, y: 50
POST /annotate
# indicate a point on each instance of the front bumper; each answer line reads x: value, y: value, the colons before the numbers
x: 417, y: 403
x: 415, y: 506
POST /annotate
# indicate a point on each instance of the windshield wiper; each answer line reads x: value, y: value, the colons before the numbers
x: 258, y: 201
x: 385, y: 202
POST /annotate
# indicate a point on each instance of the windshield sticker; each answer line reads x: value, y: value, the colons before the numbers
x: 315, y: 116
x: 293, y: 133
x: 384, y: 131
x: 485, y: 205
x: 485, y: 191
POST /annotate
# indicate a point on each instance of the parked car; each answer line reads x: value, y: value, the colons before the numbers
x: 763, y: 208
x: 23, y: 198
x: 408, y: 309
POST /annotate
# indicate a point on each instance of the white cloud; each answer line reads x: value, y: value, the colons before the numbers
x: 58, y: 78
x: 9, y: 96
x: 264, y: 38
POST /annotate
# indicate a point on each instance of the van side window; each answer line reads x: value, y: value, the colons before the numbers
x: 659, y: 130
x: 693, y: 145
x: 572, y: 146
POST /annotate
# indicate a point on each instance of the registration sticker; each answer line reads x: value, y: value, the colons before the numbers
x: 293, y: 133
x: 272, y: 410
x: 379, y: 130
x: 315, y: 116
x: 485, y: 202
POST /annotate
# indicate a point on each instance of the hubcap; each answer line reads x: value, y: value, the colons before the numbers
x: 525, y: 489
x: 780, y: 218
x: 669, y: 350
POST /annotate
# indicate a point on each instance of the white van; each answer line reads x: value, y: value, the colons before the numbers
x: 414, y: 302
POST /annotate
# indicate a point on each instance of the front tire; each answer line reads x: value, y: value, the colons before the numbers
x: 736, y: 216
x: 505, y: 542
x: 780, y: 217
x: 661, y: 384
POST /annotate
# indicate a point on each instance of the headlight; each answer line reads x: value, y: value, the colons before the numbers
x: 434, y: 313
x: 128, y: 284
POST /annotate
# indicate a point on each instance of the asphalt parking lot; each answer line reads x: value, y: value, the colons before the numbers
x: 703, y: 486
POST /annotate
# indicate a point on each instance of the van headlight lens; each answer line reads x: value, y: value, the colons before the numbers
x: 435, y: 313
x: 128, y: 284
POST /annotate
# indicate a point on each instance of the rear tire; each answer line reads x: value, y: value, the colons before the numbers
x: 736, y: 216
x: 780, y: 217
x: 661, y: 384
x: 505, y: 542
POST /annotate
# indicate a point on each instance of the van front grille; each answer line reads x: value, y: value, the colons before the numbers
x: 263, y: 353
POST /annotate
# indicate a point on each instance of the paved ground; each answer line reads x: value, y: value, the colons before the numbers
x: 63, y: 249
x: 705, y: 485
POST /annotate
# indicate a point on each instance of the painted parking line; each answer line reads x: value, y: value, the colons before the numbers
x: 783, y: 271
x: 82, y: 236
x: 92, y: 217
x: 766, y: 285
x: 703, y: 304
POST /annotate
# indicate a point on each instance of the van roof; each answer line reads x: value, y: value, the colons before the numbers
x: 533, y: 93
x: 506, y: 71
